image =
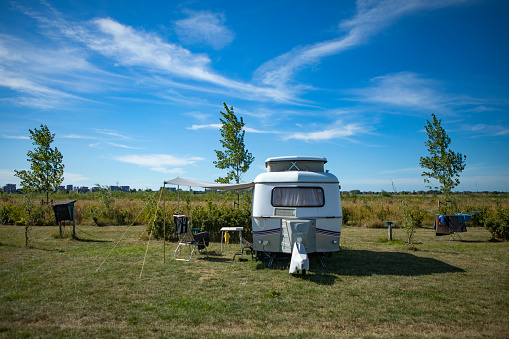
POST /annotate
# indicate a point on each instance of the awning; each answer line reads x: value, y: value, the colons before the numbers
x: 214, y: 186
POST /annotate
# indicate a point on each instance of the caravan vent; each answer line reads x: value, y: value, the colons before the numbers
x: 284, y: 212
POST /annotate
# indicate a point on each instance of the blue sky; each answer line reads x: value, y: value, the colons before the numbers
x: 133, y: 89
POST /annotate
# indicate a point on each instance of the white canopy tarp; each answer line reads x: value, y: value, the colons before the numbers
x: 214, y: 186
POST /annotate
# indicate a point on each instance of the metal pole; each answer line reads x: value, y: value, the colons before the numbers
x: 73, y: 222
x: 164, y: 222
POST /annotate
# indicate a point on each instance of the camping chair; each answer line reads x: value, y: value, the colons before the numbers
x: 187, y: 238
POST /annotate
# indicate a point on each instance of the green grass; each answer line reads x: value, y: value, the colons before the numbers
x: 368, y: 289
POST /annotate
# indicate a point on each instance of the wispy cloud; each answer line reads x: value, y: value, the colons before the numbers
x: 218, y: 126
x: 111, y: 133
x: 205, y: 126
x: 402, y: 89
x: 133, y: 48
x: 50, y: 77
x: 412, y: 91
x: 339, y: 131
x: 165, y: 163
x: 20, y: 137
x: 485, y: 130
x: 122, y: 146
x: 204, y: 28
x: 47, y: 77
x: 371, y: 17
x: 77, y: 136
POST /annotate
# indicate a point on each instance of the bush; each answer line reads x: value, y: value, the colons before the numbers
x: 9, y: 214
x: 346, y: 215
x: 156, y: 226
x: 212, y: 218
x: 478, y: 219
x: 498, y: 223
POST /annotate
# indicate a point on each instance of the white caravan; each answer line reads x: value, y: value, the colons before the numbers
x: 295, y: 199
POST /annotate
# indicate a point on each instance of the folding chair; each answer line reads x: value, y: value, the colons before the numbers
x: 187, y: 238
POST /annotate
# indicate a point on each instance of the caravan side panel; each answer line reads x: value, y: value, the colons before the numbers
x: 328, y: 233
x: 267, y: 234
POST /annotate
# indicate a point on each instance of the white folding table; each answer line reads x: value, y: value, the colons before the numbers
x: 231, y: 229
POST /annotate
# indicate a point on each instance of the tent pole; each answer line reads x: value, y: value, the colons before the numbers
x: 178, y: 198
x: 164, y: 222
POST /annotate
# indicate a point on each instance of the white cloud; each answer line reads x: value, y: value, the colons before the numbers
x: 21, y: 137
x: 111, y: 133
x: 340, y: 131
x: 76, y: 136
x: 485, y: 130
x: 204, y: 28
x: 403, y: 89
x: 205, y: 126
x: 122, y: 146
x: 218, y: 126
x: 145, y: 56
x: 46, y: 77
x: 158, y: 161
x: 371, y: 17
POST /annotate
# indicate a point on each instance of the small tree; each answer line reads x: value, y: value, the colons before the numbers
x: 235, y: 158
x: 46, y: 168
x: 443, y: 164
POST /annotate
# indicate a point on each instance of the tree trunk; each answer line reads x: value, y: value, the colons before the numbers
x: 26, y: 235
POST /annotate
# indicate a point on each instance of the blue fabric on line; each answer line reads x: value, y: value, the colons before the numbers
x: 463, y: 218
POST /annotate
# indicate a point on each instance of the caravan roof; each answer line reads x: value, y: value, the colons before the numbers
x: 295, y: 158
x: 295, y: 163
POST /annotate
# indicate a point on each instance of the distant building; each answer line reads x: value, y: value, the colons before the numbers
x: 114, y: 188
x: 125, y: 189
x: 69, y: 188
x: 83, y: 189
x: 10, y: 188
x: 96, y: 189
x: 61, y: 188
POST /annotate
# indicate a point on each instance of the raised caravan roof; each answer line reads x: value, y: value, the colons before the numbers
x: 295, y: 163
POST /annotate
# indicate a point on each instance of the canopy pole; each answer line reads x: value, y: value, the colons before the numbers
x: 189, y: 212
x: 164, y: 222
x: 178, y: 198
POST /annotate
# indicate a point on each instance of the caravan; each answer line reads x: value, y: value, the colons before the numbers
x: 296, y: 199
x: 295, y: 202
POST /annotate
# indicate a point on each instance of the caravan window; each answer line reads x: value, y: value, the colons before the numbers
x: 297, y: 197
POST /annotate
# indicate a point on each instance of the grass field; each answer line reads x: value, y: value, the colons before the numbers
x: 368, y: 289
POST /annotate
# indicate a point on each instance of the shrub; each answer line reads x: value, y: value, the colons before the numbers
x: 408, y: 221
x: 346, y: 215
x: 478, y: 219
x: 498, y: 223
x: 212, y: 218
x: 9, y: 214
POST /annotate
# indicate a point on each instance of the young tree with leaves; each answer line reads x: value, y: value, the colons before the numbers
x: 235, y: 158
x: 443, y: 164
x: 46, y: 167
